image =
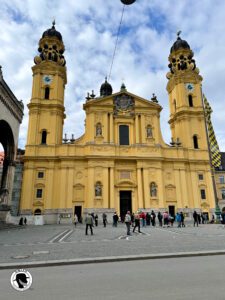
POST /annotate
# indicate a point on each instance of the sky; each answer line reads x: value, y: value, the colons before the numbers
x: 89, y: 29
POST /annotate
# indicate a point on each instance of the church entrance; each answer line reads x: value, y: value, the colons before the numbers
x: 78, y: 212
x: 125, y: 203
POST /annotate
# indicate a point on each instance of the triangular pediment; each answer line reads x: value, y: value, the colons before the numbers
x: 110, y: 101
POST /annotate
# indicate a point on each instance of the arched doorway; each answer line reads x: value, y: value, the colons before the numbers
x: 7, y: 174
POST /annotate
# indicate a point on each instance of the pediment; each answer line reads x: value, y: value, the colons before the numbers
x: 139, y: 102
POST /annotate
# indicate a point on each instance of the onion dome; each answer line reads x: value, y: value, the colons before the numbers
x: 127, y: 2
x: 52, y: 32
x: 179, y: 44
x: 106, y: 89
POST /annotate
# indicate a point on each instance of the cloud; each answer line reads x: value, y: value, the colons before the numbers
x: 89, y: 32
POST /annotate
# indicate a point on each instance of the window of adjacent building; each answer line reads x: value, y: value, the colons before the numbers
x: 221, y: 179
x: 195, y: 141
x: 124, y: 134
x: 190, y: 100
x: 40, y: 174
x: 44, y: 137
x: 223, y: 194
x: 203, y: 194
x: 47, y: 92
x: 39, y: 193
x: 200, y: 176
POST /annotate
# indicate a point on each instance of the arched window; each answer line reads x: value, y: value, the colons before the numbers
x: 44, y: 137
x: 37, y: 211
x: 153, y: 189
x: 47, y: 92
x: 195, y: 141
x: 99, y: 129
x: 149, y: 131
x: 190, y: 100
x: 98, y: 189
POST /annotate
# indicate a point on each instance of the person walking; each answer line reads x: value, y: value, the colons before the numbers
x: 153, y: 216
x: 89, y: 223
x: 21, y: 221
x: 137, y: 222
x: 195, y: 217
x: 160, y: 217
x: 178, y: 219
x: 104, y: 219
x: 96, y: 220
x: 115, y: 219
x: 128, y: 221
x: 75, y: 220
x: 25, y: 221
x: 182, y: 219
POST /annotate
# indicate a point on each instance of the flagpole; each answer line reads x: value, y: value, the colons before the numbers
x: 217, y: 208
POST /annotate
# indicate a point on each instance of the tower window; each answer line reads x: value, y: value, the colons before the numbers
x: 39, y: 193
x: 203, y: 195
x: 124, y: 134
x: 221, y: 179
x: 40, y: 174
x: 190, y: 100
x: 44, y: 137
x: 47, y: 92
x: 195, y: 141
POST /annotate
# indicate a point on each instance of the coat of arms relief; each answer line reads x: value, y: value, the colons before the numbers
x: 123, y: 104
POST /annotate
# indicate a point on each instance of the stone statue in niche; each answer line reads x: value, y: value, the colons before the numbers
x: 153, y: 190
x: 149, y: 131
x: 98, y: 190
x: 99, y: 129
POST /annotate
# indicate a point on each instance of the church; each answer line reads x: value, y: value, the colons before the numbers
x: 121, y: 162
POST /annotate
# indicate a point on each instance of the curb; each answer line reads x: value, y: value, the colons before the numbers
x: 80, y: 261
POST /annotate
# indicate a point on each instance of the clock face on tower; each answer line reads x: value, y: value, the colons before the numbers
x: 190, y: 87
x: 47, y: 79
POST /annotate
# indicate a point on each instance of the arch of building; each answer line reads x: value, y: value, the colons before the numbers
x: 11, y: 113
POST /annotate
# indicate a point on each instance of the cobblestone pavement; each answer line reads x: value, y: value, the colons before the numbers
x: 56, y: 242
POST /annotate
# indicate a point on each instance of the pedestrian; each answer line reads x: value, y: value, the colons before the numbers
x: 153, y: 216
x: 160, y: 217
x: 213, y: 219
x: 199, y: 218
x: 104, y: 218
x: 89, y: 223
x: 223, y: 218
x: 182, y: 219
x: 137, y: 221
x: 148, y: 219
x: 115, y: 219
x: 75, y: 220
x: 143, y: 218
x: 128, y: 221
x: 96, y: 220
x: 21, y: 221
x: 25, y: 221
x: 203, y: 218
x: 166, y: 218
x: 178, y: 219
x: 195, y: 217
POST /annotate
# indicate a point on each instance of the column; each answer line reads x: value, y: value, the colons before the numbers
x: 140, y: 189
x: 146, y: 188
x: 137, y: 138
x: 112, y: 192
x: 111, y: 128
x: 143, y: 133
x: 179, y: 193
x: 89, y: 189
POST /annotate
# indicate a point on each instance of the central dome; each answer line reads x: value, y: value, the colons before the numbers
x: 106, y: 89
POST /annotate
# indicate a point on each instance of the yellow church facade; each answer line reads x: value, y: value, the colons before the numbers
x: 121, y: 162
